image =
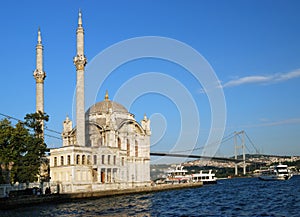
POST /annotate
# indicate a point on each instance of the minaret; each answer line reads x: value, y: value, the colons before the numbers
x: 39, y: 76
x: 80, y: 62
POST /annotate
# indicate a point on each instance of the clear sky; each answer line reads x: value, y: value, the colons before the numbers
x: 252, y: 46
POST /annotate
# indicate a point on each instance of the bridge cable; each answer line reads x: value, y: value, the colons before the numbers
x: 50, y: 130
x: 256, y: 150
x: 226, y: 138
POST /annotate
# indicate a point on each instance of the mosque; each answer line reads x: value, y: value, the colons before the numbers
x: 107, y: 149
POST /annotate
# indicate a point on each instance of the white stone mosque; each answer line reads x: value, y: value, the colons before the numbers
x: 107, y: 149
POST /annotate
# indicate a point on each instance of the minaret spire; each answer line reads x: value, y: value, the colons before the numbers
x: 79, y: 19
x: 80, y: 62
x: 39, y: 36
x: 39, y: 76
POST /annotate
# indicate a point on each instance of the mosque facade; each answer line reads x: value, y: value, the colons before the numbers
x: 107, y: 149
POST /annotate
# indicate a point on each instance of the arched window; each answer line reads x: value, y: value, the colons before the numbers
x: 78, y: 159
x: 108, y: 159
x: 89, y: 159
x: 119, y: 143
x: 136, y: 149
x: 55, y: 161
x: 128, y: 148
x: 83, y: 160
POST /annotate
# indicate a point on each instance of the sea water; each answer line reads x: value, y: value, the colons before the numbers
x: 231, y: 197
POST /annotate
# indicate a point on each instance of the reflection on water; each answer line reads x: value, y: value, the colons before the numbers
x: 235, y: 197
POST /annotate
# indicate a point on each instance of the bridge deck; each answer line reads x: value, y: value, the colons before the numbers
x: 196, y: 156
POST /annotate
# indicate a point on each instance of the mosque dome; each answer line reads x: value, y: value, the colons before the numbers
x: 105, y: 106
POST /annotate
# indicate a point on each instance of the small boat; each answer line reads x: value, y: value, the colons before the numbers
x: 181, y: 175
x: 278, y: 172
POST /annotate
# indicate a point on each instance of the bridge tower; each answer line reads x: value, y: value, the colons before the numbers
x: 236, y: 147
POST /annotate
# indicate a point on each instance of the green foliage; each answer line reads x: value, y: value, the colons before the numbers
x: 6, y: 149
x: 21, y: 151
x: 33, y: 121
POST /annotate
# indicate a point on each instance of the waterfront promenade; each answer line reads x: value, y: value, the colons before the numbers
x: 22, y: 201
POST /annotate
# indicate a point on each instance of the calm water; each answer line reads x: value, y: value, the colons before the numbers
x: 235, y: 197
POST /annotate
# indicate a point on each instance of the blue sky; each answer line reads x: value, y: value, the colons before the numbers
x: 253, y: 47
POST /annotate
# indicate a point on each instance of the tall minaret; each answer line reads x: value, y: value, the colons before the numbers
x: 80, y: 62
x: 39, y: 76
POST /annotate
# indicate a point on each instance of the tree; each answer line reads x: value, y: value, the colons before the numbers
x: 35, y: 120
x: 19, y: 143
x: 6, y: 149
x: 22, y: 148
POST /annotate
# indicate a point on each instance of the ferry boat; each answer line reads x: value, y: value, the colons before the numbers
x: 206, y: 178
x: 278, y: 172
x: 180, y: 175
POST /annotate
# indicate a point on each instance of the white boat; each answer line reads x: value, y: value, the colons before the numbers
x: 180, y: 175
x: 206, y: 178
x: 278, y: 172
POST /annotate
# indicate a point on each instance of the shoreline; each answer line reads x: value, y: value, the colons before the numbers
x: 33, y: 200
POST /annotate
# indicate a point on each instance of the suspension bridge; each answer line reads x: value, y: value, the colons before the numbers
x: 236, y: 136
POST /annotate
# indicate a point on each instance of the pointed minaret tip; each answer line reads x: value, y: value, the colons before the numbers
x: 79, y: 19
x: 106, y: 96
x: 39, y: 36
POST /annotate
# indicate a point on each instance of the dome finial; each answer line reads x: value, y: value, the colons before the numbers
x: 106, y: 96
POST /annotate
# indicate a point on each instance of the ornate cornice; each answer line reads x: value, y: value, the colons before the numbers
x: 80, y: 62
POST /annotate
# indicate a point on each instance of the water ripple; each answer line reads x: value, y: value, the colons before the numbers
x: 234, y: 197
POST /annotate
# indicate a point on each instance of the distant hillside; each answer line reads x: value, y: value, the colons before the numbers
x: 223, y: 169
x: 262, y: 156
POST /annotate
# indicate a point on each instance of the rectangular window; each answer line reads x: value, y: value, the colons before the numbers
x: 119, y: 143
x: 136, y: 151
x: 61, y: 160
x: 128, y: 148
x: 123, y: 161
x: 55, y: 161
x: 69, y: 160
x: 102, y: 175
x: 95, y: 175
x: 95, y: 159
x: 115, y: 160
